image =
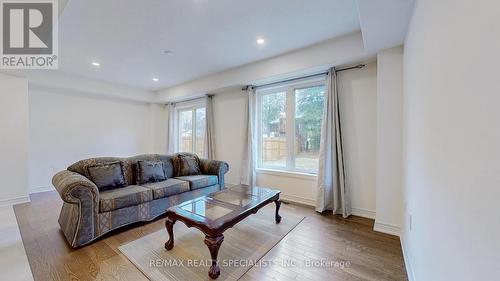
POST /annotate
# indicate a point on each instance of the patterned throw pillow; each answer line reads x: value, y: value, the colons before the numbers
x: 186, y: 164
x: 107, y: 176
x: 149, y: 171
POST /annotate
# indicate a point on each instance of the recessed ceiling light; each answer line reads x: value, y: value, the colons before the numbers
x: 156, y: 79
x: 260, y: 41
x: 96, y: 63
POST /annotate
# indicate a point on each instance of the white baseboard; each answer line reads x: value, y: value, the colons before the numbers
x: 363, y: 213
x: 297, y: 199
x: 387, y: 228
x: 14, y: 201
x: 406, y: 258
x: 310, y: 202
x: 42, y: 189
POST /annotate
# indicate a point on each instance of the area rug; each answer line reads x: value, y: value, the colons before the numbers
x: 243, y: 247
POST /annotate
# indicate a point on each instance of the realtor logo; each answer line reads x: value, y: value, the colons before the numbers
x: 29, y: 34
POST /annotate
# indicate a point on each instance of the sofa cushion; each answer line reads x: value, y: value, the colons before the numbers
x: 124, y: 197
x: 200, y: 181
x: 186, y: 164
x: 168, y: 165
x: 107, y: 176
x: 149, y: 171
x: 167, y: 188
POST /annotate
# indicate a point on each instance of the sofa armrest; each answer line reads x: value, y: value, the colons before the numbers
x: 80, y: 207
x: 71, y: 186
x: 214, y: 167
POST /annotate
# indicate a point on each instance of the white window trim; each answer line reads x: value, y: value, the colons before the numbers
x: 289, y: 88
x: 285, y: 173
x: 187, y: 106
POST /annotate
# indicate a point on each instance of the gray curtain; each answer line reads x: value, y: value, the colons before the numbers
x: 333, y: 193
x: 249, y: 155
x: 209, y: 150
x: 171, y: 136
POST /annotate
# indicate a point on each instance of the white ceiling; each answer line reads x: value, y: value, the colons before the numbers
x: 128, y: 37
x: 384, y: 23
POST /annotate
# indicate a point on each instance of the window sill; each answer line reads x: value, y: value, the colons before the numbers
x: 289, y: 174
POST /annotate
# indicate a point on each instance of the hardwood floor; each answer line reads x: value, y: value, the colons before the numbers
x: 325, y: 239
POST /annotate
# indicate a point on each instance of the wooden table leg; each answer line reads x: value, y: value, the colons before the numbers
x: 213, y: 244
x: 169, y: 224
x: 277, y: 216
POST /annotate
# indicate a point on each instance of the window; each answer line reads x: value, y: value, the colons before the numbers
x: 191, y: 129
x: 289, y: 126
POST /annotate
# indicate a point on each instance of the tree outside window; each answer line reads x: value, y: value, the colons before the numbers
x: 290, y: 127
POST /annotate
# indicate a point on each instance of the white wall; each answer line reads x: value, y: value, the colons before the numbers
x: 68, y: 126
x: 159, y: 122
x: 358, y: 95
x: 389, y: 196
x: 229, y: 110
x: 72, y: 83
x: 295, y: 188
x: 13, y: 139
x: 358, y: 109
x: 451, y: 141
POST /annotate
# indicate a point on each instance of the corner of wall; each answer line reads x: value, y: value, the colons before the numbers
x: 389, y: 191
x: 407, y: 258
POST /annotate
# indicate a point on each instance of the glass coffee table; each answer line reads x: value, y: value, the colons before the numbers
x: 218, y: 211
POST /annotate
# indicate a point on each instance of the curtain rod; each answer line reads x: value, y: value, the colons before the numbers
x: 303, y: 77
x: 358, y: 66
x: 189, y: 99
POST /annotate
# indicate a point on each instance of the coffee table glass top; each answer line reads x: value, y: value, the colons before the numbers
x: 234, y: 198
x: 225, y: 203
x: 205, y: 208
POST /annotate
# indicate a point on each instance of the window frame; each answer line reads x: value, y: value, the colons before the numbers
x: 289, y: 89
x: 193, y: 107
